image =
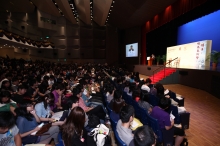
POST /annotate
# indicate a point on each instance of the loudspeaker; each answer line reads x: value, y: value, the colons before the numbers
x: 55, y: 54
x: 39, y: 51
x: 183, y: 73
x: 148, y: 68
x: 69, y: 54
x: 6, y: 22
x: 22, y: 27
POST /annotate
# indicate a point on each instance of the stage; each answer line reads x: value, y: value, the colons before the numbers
x: 207, y: 79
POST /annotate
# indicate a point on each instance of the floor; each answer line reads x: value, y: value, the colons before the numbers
x: 204, y: 129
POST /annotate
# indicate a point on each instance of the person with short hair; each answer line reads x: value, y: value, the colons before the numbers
x: 6, y: 104
x: 9, y: 133
x: 19, y: 96
x: 165, y: 120
x: 123, y: 125
x: 144, y: 136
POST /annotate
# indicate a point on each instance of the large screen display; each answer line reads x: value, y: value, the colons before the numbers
x: 131, y: 50
x: 192, y: 55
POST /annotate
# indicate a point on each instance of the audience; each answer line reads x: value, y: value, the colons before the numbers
x: 28, y: 123
x: 166, y: 121
x: 35, y: 90
x: 9, y: 133
x: 73, y: 131
x: 123, y: 125
x: 144, y: 136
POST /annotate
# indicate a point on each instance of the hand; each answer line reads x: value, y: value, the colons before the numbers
x: 37, y: 128
x: 51, y: 120
x: 33, y: 112
x: 37, y: 90
x: 167, y: 96
x: 52, y: 113
x: 60, y: 107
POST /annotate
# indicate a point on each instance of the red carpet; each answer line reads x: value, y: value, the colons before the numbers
x: 160, y: 75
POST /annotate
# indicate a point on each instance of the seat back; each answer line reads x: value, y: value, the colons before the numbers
x: 153, y: 123
x: 60, y: 140
x: 153, y: 100
x: 108, y: 109
x: 114, y: 119
x: 136, y: 109
x: 118, y: 140
x: 163, y: 136
x: 184, y: 118
x: 144, y: 118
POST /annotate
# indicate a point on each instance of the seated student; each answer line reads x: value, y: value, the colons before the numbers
x: 123, y: 125
x: 9, y: 133
x: 6, y: 86
x: 73, y: 131
x: 144, y: 136
x: 142, y: 103
x: 58, y: 93
x: 33, y: 89
x: 6, y: 104
x: 19, y: 96
x: 98, y: 110
x: 27, y: 123
x: 110, y: 93
x: 43, y: 107
x: 145, y: 86
x: 165, y: 121
x: 15, y: 83
x: 117, y: 102
x: 72, y: 102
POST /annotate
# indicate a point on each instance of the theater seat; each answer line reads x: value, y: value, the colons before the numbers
x: 163, y: 136
x: 118, y: 140
x: 60, y: 140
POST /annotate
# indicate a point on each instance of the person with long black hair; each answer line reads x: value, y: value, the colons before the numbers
x: 73, y: 131
x: 42, y: 108
x: 28, y: 123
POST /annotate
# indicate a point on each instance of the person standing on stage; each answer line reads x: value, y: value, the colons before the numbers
x: 153, y: 58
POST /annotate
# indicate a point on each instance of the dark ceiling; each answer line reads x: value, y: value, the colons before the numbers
x: 119, y: 13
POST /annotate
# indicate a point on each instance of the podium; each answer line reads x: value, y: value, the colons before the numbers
x: 150, y: 60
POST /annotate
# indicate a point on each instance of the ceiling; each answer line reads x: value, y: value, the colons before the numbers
x: 119, y: 13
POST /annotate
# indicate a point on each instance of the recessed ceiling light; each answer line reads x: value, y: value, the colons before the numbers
x: 110, y: 10
x: 55, y: 3
x: 90, y: 2
x: 111, y: 6
x: 108, y: 13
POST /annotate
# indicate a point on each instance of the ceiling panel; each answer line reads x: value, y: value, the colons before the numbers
x: 100, y: 11
x: 16, y: 6
x: 47, y: 6
x: 67, y: 11
x: 83, y: 9
x: 124, y: 14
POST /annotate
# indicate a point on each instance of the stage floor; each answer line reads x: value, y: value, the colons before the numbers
x: 150, y: 70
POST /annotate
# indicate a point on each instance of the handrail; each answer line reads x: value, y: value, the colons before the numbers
x: 164, y: 66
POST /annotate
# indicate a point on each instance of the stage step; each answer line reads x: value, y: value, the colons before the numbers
x: 160, y: 75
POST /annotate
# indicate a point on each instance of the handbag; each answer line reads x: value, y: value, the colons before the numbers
x: 44, y: 129
x: 100, y: 133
